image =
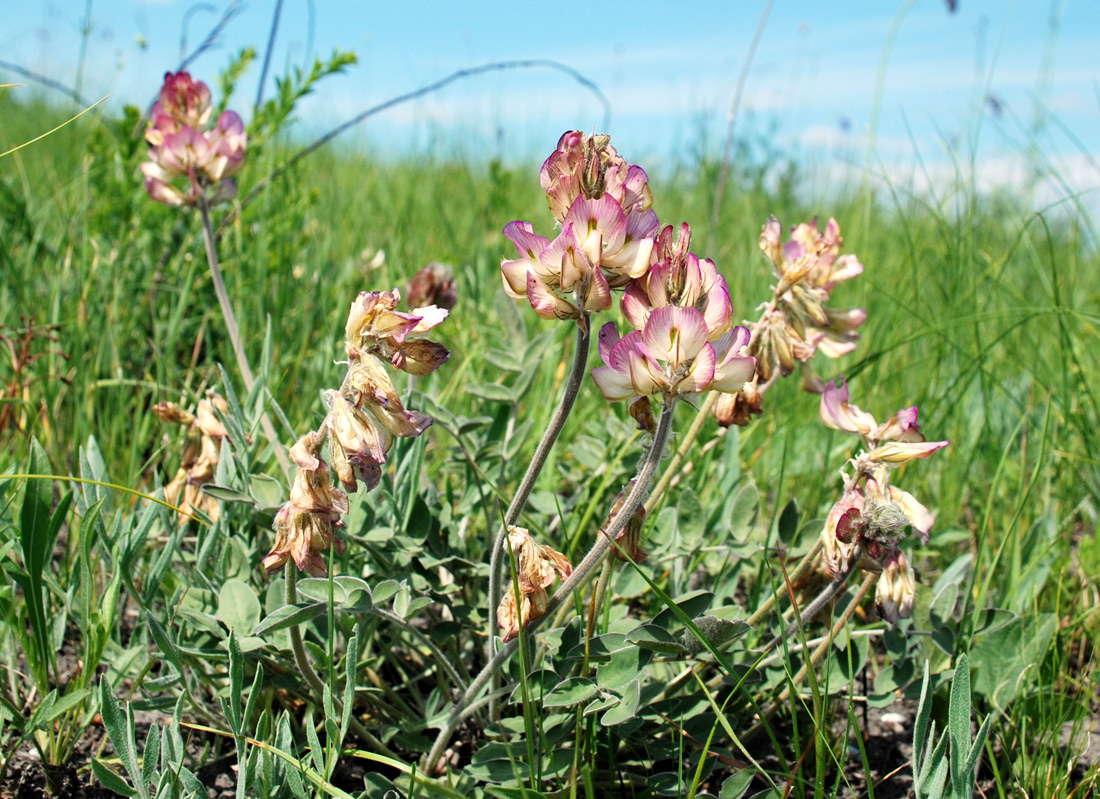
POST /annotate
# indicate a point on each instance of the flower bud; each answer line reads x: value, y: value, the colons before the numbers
x: 641, y: 410
x: 629, y: 538
x: 896, y: 588
x: 739, y: 407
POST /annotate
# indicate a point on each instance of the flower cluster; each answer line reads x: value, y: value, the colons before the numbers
x: 606, y: 238
x: 182, y: 145
x: 683, y: 340
x: 364, y: 417
x: 864, y: 526
x: 536, y: 567
x: 200, y: 456
x: 797, y: 324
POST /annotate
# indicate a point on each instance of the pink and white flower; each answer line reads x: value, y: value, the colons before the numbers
x: 672, y: 355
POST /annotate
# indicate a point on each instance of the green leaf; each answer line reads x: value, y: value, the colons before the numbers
x: 493, y: 392
x: 655, y: 639
x: 569, y: 692
x: 600, y: 648
x: 734, y: 786
x: 692, y: 604
x: 1004, y: 660
x: 690, y: 519
x: 744, y: 509
x: 317, y: 588
x: 227, y: 494
x: 623, y: 666
x: 236, y: 685
x: 289, y: 616
x: 958, y: 721
x: 787, y: 526
x: 111, y: 781
x: 627, y: 708
x: 238, y: 607
x: 266, y: 491
x: 120, y: 727
x: 47, y: 712
x: 150, y: 758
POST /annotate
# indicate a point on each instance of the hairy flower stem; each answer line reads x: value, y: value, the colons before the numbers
x: 831, y: 591
x: 234, y: 331
x: 578, y: 579
x: 301, y: 659
x: 798, y: 571
x: 519, y: 501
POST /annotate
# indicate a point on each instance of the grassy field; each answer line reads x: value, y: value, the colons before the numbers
x: 980, y: 311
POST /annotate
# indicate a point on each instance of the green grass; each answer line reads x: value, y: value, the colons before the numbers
x: 980, y: 312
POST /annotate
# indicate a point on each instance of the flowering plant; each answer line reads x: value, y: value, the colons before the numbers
x: 190, y: 161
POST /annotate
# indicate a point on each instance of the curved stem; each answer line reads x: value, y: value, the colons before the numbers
x: 234, y: 331
x: 681, y: 451
x: 519, y: 501
x: 301, y: 659
x: 583, y: 572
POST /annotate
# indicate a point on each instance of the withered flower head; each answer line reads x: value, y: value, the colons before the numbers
x: 358, y: 443
x: 739, y: 407
x: 199, y: 461
x: 536, y: 567
x: 304, y: 526
x: 896, y: 588
x: 432, y: 285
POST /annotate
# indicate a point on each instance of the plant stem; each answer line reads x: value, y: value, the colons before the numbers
x: 799, y: 570
x: 821, y: 600
x: 557, y: 422
x: 301, y: 660
x: 681, y: 451
x: 578, y: 579
x: 234, y: 331
x: 869, y: 580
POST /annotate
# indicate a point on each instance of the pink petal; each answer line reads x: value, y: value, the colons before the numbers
x: 718, y: 311
x: 514, y: 274
x: 598, y: 296
x: 604, y: 216
x: 631, y: 260
x: 675, y: 335
x: 612, y: 384
x: 635, y: 305
x: 430, y: 316
x: 527, y: 242
x: 897, y: 452
x: 837, y: 413
x: 608, y: 338
x: 645, y: 374
x: 546, y: 303
x: 701, y: 374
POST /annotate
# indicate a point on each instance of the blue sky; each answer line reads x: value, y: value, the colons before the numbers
x: 670, y: 75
